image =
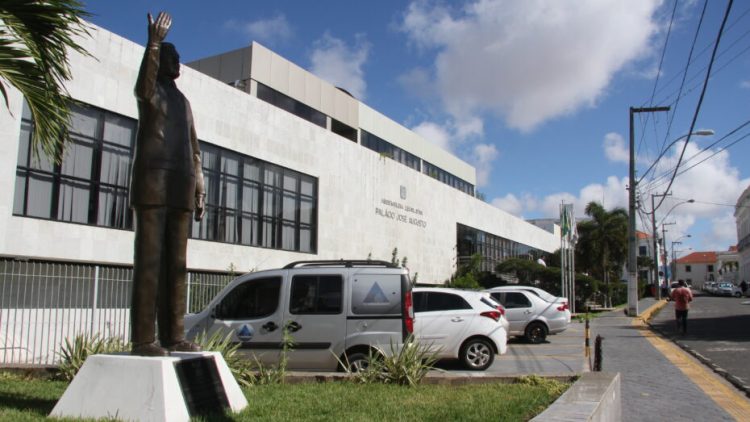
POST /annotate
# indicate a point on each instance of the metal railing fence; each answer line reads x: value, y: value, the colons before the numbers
x: 42, y: 303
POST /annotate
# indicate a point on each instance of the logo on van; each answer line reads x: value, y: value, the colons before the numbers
x: 245, y: 333
x: 375, y: 295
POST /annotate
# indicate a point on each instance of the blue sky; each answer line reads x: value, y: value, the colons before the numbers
x: 534, y: 93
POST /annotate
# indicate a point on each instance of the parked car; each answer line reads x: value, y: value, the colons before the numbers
x: 532, y: 312
x: 711, y: 287
x: 726, y: 288
x: 460, y: 324
x: 335, y: 311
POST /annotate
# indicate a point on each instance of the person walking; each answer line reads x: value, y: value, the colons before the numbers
x: 743, y: 287
x: 682, y: 296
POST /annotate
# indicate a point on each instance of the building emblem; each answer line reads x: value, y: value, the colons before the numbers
x: 403, y: 192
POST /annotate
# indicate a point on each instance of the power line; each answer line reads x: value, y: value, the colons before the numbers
x: 658, y: 71
x: 684, y: 76
x: 702, y: 96
x: 652, y: 184
x: 703, y: 51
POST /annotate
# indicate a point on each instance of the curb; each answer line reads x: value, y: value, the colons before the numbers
x: 702, y: 359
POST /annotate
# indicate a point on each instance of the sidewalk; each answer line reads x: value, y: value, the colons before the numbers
x: 654, y: 387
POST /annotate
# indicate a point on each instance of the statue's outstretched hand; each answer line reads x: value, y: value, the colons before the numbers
x: 157, y: 30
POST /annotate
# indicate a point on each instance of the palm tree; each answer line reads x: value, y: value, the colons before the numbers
x: 34, y: 38
x: 602, y: 245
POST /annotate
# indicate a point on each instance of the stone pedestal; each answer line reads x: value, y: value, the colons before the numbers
x: 137, y: 388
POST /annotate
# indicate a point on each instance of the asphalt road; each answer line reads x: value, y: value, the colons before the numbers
x: 718, y: 328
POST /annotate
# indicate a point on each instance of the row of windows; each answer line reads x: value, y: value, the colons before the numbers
x: 493, y: 249
x: 248, y: 201
x: 368, y: 140
x: 255, y: 203
x: 447, y: 178
x: 91, y: 184
x: 389, y: 150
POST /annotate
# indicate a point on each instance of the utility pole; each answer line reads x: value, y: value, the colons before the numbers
x: 632, y: 258
x: 657, y: 282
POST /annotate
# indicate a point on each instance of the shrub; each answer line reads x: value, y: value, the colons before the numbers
x: 245, y: 371
x: 553, y: 387
x: 405, y: 366
x: 73, y: 354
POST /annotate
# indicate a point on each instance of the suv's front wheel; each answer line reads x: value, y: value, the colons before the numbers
x: 477, y: 354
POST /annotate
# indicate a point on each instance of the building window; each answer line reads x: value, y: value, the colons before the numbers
x: 493, y: 249
x: 91, y: 184
x: 291, y: 105
x: 256, y: 203
x: 389, y: 150
x: 688, y: 268
x: 344, y: 130
x: 710, y: 268
x: 643, y: 250
x: 447, y: 178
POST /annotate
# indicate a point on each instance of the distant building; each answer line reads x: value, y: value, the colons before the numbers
x: 697, y: 268
x: 727, y: 263
x: 742, y: 217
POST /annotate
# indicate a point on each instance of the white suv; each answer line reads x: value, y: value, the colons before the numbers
x: 460, y: 324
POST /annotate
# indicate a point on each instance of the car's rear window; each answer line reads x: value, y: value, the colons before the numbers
x: 543, y: 295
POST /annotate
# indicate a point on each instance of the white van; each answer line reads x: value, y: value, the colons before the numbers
x: 334, y: 310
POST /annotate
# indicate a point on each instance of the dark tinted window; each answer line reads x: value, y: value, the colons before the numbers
x: 512, y: 300
x: 91, y: 184
x: 291, y: 105
x: 316, y: 294
x: 438, y: 301
x: 252, y: 299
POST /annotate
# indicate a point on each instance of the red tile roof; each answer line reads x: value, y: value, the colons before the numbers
x: 641, y: 235
x: 698, y: 258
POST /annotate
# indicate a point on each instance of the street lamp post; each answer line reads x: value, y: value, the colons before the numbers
x: 632, y: 259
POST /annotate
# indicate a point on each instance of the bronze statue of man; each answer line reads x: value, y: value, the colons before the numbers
x: 166, y: 187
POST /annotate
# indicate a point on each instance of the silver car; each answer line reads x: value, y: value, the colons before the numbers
x: 532, y: 312
x: 726, y: 288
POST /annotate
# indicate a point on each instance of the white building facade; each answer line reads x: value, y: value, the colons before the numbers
x: 742, y: 218
x: 295, y: 170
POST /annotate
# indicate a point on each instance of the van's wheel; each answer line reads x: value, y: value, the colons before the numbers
x: 357, y: 361
x: 477, y: 354
x: 738, y: 294
x: 535, y: 332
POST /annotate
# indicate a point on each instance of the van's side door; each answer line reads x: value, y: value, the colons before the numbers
x: 316, y: 320
x: 252, y: 311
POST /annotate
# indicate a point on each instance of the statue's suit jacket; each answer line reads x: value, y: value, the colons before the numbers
x: 167, y: 153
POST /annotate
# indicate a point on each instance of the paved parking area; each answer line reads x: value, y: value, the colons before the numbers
x: 561, y: 355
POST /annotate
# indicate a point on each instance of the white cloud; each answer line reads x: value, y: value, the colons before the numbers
x: 333, y: 60
x: 714, y: 185
x: 529, y: 61
x: 509, y: 203
x: 269, y: 30
x: 435, y: 134
x: 615, y: 149
x: 482, y: 158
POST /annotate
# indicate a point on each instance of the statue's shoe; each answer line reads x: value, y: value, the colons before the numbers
x: 148, y: 349
x: 184, y: 346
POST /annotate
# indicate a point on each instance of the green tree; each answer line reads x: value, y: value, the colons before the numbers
x: 602, y: 244
x: 35, y: 36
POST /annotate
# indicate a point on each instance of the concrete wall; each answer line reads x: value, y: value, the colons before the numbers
x: 360, y: 207
x: 595, y: 397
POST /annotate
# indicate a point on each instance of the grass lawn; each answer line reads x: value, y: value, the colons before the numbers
x: 31, y: 399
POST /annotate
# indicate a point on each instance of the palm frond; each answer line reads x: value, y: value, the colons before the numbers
x: 34, y: 40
